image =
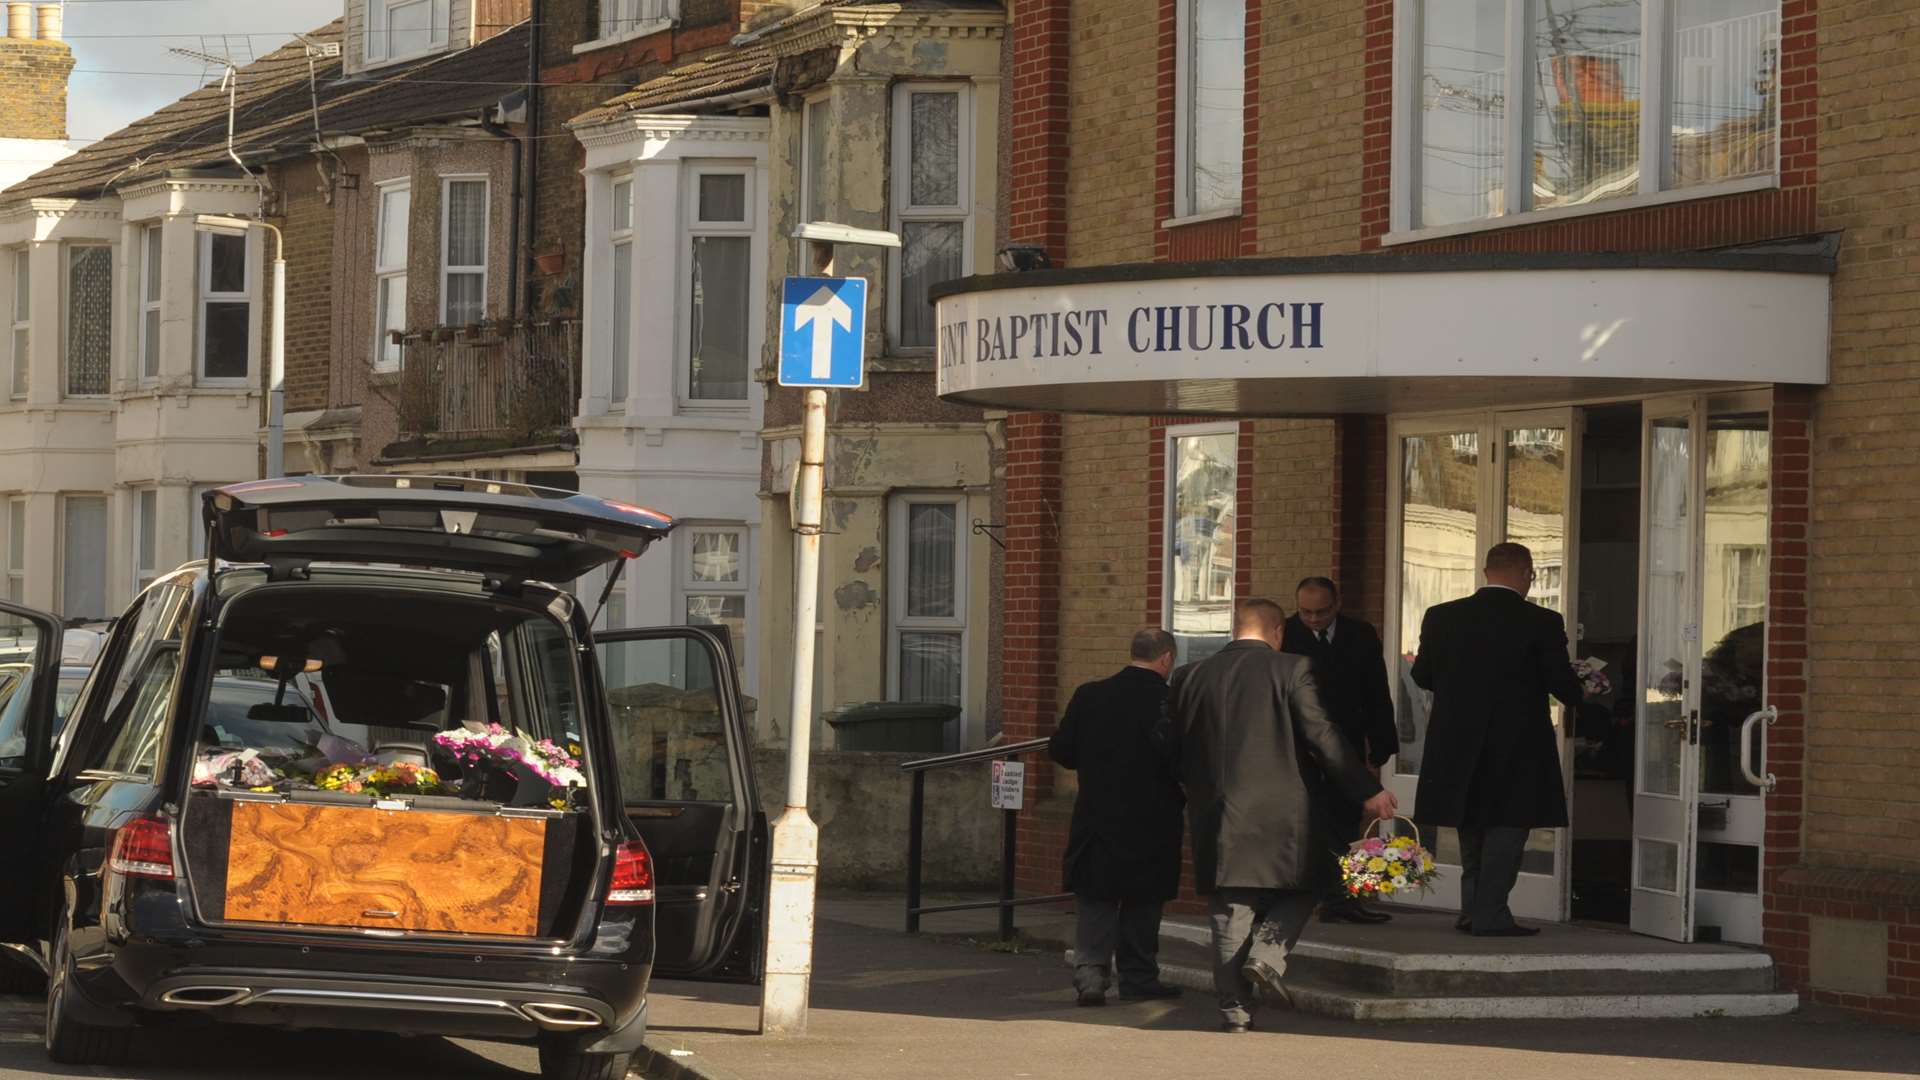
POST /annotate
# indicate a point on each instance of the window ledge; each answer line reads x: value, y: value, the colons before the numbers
x: 646, y: 29
x: 903, y: 362
x: 389, y: 61
x: 1199, y: 219
x: 1668, y: 197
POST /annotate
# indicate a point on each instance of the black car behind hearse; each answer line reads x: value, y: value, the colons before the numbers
x: 367, y: 767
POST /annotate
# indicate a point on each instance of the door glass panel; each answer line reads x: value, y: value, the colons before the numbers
x: 670, y: 736
x: 1536, y: 515
x: 1733, y: 612
x: 1727, y: 867
x: 1439, y: 558
x: 1659, y: 863
x: 19, y: 640
x: 1669, y: 570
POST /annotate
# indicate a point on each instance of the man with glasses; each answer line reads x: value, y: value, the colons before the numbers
x: 1350, y: 666
x: 1492, y: 765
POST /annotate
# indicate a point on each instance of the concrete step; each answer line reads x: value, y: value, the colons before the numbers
x: 1412, y: 975
x: 1342, y: 1003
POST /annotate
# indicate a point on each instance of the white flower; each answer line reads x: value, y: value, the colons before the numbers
x: 1393, y: 854
x: 1399, y: 882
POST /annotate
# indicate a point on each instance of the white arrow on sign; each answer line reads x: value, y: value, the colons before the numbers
x: 824, y: 309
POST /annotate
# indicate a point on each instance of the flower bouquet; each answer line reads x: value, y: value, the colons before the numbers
x: 1374, y: 868
x: 509, y: 767
x: 399, y: 778
x: 1593, y: 677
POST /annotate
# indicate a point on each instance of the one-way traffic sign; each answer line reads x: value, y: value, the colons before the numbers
x: 823, y: 332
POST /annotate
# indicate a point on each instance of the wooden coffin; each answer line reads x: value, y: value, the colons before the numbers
x: 392, y: 869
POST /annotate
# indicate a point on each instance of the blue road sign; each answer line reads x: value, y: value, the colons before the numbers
x: 823, y: 332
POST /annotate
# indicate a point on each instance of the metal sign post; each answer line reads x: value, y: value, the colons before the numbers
x: 822, y: 345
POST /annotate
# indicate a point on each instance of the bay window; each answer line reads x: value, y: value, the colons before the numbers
x: 719, y: 268
x: 463, y: 252
x: 1202, y: 514
x: 927, y: 598
x: 620, y: 358
x: 22, y: 321
x: 146, y: 534
x: 933, y: 165
x: 1210, y: 91
x: 390, y: 273
x: 226, y: 308
x: 397, y: 29
x: 89, y: 345
x: 17, y: 549
x: 714, y: 580
x: 150, y: 301
x: 1505, y: 108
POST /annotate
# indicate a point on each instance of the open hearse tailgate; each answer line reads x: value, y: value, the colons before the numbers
x: 489, y: 526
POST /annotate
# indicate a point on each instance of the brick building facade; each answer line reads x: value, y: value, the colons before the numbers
x: 1366, y: 150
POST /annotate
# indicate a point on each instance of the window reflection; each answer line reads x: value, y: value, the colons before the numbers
x: 1200, y: 541
x: 1439, y: 558
x: 1733, y: 611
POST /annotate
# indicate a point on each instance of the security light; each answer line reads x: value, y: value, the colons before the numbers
x: 830, y: 233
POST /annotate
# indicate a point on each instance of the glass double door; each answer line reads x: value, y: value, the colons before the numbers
x: 1462, y: 484
x: 1700, y: 703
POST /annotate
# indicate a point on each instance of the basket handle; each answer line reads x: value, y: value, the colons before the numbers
x: 1367, y: 829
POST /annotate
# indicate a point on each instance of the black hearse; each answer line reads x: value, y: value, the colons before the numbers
x: 367, y: 767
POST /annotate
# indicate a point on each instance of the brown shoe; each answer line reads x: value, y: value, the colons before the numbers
x: 1267, y: 980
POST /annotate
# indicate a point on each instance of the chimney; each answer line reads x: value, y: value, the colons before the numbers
x: 33, y: 73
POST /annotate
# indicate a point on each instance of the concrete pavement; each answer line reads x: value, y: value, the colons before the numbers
x: 888, y: 1006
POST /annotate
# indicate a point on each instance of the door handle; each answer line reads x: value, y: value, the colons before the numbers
x: 1763, y: 780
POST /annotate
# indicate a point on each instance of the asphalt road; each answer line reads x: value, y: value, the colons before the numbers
x: 218, y: 1051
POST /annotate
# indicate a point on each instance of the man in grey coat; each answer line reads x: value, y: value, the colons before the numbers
x: 1258, y: 754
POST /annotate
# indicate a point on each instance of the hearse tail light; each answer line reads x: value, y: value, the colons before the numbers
x: 632, y: 876
x: 142, y: 847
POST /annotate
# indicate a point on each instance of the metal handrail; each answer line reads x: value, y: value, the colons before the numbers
x: 985, y: 753
x: 1009, y: 828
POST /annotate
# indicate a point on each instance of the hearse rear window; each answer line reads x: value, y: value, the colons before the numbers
x: 361, y: 692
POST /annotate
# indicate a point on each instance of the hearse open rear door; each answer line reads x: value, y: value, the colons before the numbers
x: 29, y: 674
x: 687, y: 781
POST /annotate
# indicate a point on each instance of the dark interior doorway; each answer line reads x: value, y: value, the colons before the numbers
x: 1608, y: 629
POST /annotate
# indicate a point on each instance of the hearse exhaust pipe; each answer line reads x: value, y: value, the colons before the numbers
x: 206, y: 997
x: 560, y: 1017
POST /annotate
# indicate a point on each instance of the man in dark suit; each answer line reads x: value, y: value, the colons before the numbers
x: 1123, y: 849
x: 1257, y: 750
x: 1492, y: 765
x: 1351, y: 669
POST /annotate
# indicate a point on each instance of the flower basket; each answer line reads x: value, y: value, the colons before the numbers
x: 1374, y: 868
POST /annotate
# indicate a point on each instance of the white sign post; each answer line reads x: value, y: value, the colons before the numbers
x: 822, y: 345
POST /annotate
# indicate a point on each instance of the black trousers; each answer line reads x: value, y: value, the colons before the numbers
x: 1489, y: 866
x: 1124, y: 934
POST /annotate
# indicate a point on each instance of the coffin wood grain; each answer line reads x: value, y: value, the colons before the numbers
x: 348, y: 865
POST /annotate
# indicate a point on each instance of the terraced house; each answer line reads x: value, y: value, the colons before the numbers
x: 1378, y: 285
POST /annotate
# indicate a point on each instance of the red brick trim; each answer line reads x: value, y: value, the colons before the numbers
x: 1785, y: 211
x: 1030, y: 606
x: 1038, y: 103
x: 640, y: 53
x: 1798, y: 895
x: 1784, y: 920
x: 1223, y: 238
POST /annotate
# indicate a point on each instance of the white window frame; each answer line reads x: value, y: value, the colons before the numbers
x: 686, y: 587
x: 625, y: 20
x: 447, y: 270
x: 1655, y: 150
x: 692, y: 227
x: 620, y: 353
x: 1168, y: 521
x: 384, y: 273
x: 899, y: 623
x: 20, y: 369
x: 808, y: 118
x: 16, y: 565
x: 209, y: 296
x: 904, y: 211
x: 379, y: 14
x: 143, y: 520
x: 151, y: 235
x: 1184, y: 210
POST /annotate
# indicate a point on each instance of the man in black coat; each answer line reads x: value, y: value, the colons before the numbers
x: 1492, y: 764
x: 1351, y: 669
x: 1123, y: 850
x: 1257, y: 751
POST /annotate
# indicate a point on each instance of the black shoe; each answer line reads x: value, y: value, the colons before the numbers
x: 1149, y: 992
x: 1092, y: 997
x: 1463, y: 925
x: 1508, y: 931
x: 1354, y: 912
x: 1236, y: 1027
x: 1267, y: 981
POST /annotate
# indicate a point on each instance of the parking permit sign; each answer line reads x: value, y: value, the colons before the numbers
x: 1009, y: 785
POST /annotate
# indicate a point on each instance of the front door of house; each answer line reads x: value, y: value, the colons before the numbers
x: 1700, y: 702
x: 1460, y: 485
